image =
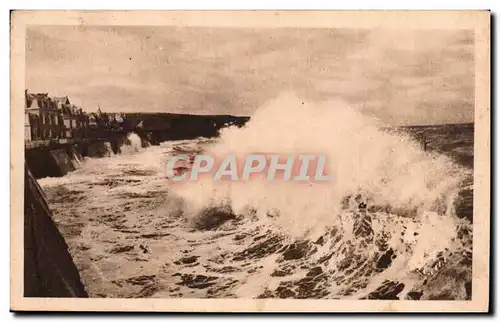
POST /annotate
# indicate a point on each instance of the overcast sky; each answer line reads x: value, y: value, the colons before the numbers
x: 401, y: 77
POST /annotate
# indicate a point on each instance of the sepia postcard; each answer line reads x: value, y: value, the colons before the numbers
x: 250, y: 161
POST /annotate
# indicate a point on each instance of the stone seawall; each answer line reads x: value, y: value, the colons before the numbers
x: 56, y: 160
x: 49, y: 270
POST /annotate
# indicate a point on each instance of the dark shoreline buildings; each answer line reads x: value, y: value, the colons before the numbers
x: 50, y: 117
x: 56, y: 119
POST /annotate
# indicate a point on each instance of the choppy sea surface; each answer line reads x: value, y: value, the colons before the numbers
x: 134, y: 233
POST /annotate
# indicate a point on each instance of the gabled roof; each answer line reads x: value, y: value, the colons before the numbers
x: 29, y: 99
x: 38, y: 100
x: 41, y: 95
x: 66, y: 110
x: 61, y: 99
x: 33, y: 103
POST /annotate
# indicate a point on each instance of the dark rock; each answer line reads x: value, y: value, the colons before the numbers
x: 385, y: 260
x: 213, y: 217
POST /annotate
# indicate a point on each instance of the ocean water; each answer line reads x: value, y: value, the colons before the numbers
x: 134, y: 233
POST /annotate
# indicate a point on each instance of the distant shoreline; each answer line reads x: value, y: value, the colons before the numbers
x: 249, y: 117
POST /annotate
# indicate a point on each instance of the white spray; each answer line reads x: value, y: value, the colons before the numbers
x: 387, y: 168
